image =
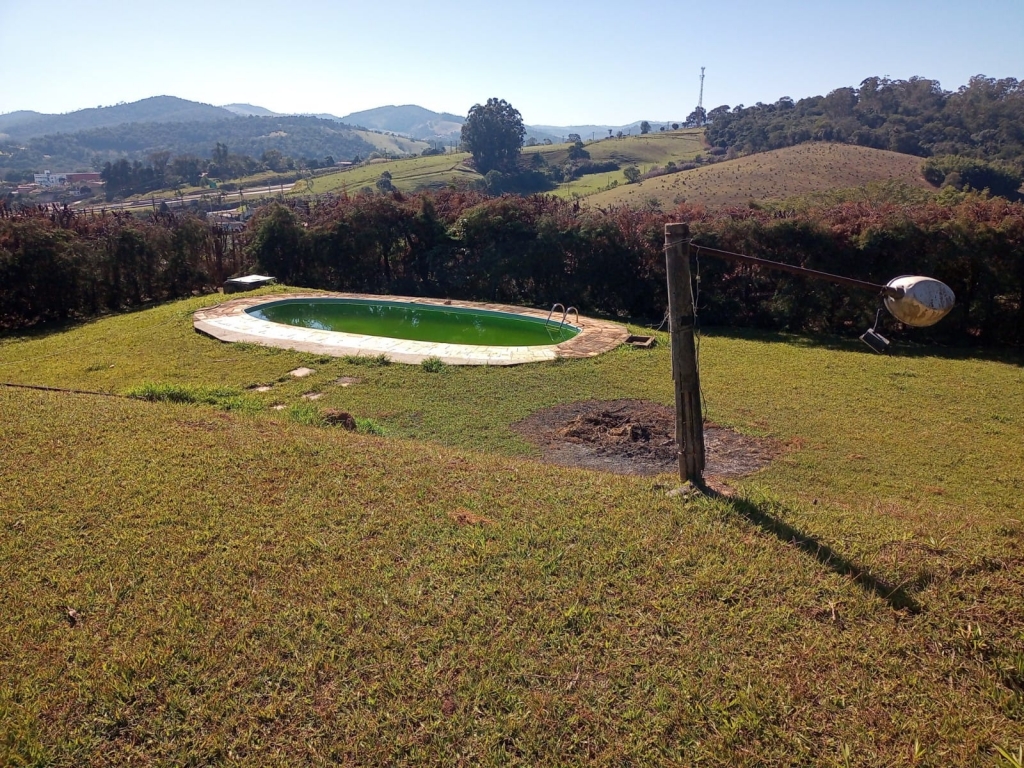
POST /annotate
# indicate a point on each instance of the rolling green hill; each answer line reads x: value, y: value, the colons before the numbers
x: 294, y: 136
x: 799, y: 170
x: 423, y: 172
x: 158, y: 109
x: 409, y: 119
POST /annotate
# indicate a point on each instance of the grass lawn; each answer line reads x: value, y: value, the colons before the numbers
x: 251, y: 590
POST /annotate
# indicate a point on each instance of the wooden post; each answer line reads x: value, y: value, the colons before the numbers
x: 689, y: 420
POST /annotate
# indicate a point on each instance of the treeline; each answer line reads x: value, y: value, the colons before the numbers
x: 540, y: 250
x: 56, y: 264
x: 984, y: 119
x: 124, y: 178
x: 536, y: 251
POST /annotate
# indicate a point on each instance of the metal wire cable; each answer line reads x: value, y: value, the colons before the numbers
x: 697, y: 335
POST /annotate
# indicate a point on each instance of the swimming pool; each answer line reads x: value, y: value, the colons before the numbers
x: 406, y: 329
x: 417, y: 322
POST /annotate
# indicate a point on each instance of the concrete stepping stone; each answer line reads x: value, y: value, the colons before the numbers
x: 301, y: 373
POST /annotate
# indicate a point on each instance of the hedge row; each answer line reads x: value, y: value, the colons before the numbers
x: 534, y: 250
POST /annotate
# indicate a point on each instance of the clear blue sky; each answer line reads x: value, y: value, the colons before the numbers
x: 559, y: 63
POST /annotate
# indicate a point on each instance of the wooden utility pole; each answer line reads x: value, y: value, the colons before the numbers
x: 689, y: 420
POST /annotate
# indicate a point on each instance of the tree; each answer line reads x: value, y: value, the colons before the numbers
x: 574, y: 138
x: 273, y: 159
x: 384, y: 182
x: 220, y: 154
x: 675, y: 126
x: 645, y: 127
x: 632, y: 174
x: 577, y: 152
x: 493, y: 133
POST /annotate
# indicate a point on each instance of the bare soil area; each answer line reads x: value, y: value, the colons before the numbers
x: 635, y: 437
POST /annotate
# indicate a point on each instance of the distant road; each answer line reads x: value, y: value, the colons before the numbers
x: 173, y: 202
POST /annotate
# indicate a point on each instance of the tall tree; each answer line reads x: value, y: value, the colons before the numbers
x: 493, y: 133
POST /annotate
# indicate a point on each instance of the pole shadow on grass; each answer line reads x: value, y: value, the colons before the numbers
x: 896, y: 596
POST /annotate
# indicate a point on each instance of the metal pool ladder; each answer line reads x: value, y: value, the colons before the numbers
x: 565, y: 313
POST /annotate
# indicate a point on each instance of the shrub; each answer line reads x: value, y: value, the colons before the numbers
x: 434, y: 365
x: 369, y: 361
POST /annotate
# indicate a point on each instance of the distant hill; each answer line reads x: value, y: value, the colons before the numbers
x: 781, y: 173
x: 294, y: 136
x: 409, y: 119
x: 12, y: 119
x: 982, y: 119
x: 158, y: 109
x: 250, y: 110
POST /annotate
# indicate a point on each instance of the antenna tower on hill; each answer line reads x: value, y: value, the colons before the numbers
x: 700, y: 99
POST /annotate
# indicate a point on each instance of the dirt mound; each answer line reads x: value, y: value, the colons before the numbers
x: 635, y: 437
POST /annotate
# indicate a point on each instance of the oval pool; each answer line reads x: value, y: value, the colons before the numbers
x: 416, y: 322
x: 406, y: 329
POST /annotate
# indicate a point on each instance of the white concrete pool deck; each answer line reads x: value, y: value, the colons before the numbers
x: 230, y: 322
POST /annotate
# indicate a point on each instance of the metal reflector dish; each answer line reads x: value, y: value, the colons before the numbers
x: 918, y: 301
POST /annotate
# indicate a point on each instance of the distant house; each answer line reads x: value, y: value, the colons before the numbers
x: 50, y: 179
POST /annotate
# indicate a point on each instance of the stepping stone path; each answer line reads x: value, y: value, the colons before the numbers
x: 264, y: 388
x: 301, y: 373
x: 347, y: 381
x: 312, y: 395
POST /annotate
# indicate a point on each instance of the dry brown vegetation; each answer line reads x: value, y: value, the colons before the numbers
x: 788, y: 172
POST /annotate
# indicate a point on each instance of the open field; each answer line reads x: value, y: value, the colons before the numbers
x: 415, y: 173
x: 408, y: 174
x: 588, y: 185
x: 251, y: 590
x: 799, y: 170
x: 392, y: 143
x: 652, y: 149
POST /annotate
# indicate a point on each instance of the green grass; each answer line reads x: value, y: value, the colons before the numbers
x: 416, y: 173
x: 255, y: 588
x: 392, y: 143
x: 653, y: 149
x: 408, y: 175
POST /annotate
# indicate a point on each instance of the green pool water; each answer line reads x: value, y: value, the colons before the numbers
x: 415, y: 322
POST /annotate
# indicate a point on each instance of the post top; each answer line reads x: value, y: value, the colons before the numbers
x: 677, y: 229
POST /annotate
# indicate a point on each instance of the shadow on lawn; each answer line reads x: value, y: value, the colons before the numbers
x: 901, y: 346
x: 896, y: 596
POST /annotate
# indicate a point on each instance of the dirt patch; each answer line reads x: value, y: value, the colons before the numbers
x: 463, y: 516
x: 334, y: 417
x: 635, y: 437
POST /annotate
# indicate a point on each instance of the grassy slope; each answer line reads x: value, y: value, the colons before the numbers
x: 411, y: 174
x: 392, y: 143
x: 259, y: 592
x: 407, y: 175
x: 782, y: 173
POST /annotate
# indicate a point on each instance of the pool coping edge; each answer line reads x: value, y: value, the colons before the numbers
x: 229, y: 322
